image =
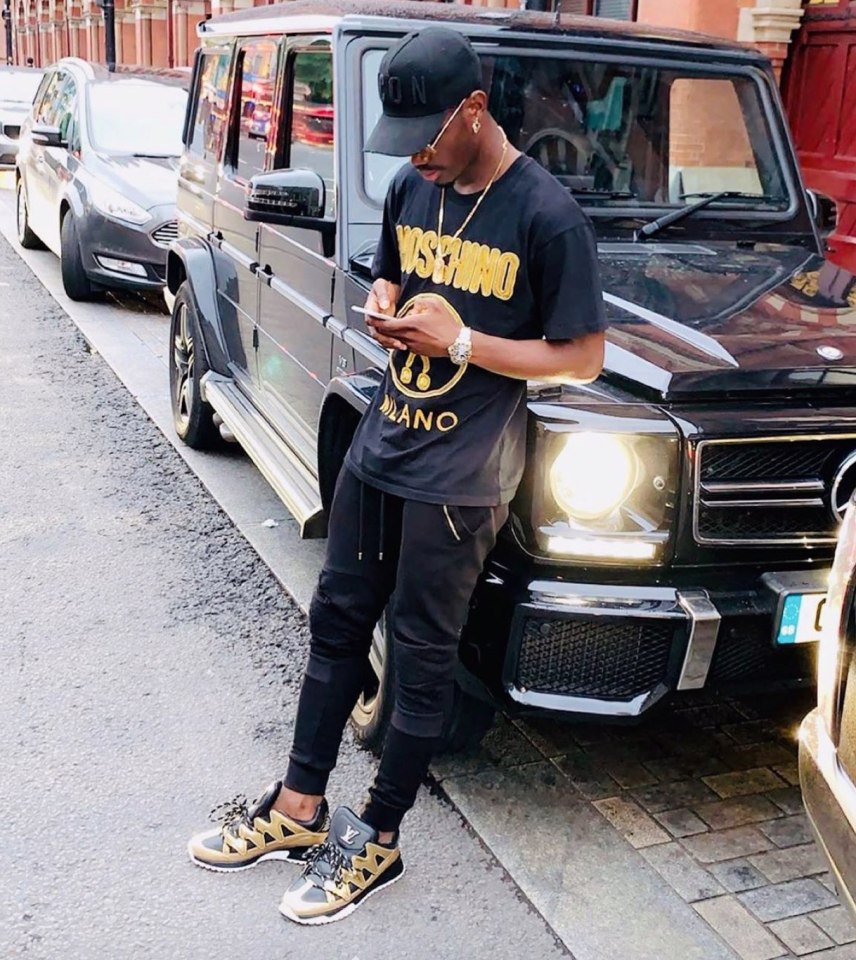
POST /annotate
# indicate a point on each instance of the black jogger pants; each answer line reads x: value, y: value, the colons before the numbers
x: 419, y: 562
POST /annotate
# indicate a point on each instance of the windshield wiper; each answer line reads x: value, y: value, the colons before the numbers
x: 602, y: 194
x: 655, y: 226
x: 735, y: 195
x: 154, y: 156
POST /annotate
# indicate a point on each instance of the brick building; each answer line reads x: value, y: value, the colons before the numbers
x: 812, y: 44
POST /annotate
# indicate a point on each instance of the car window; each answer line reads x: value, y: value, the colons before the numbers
x: 257, y: 66
x: 136, y: 117
x: 209, y: 106
x: 65, y: 108
x: 311, y: 135
x: 47, y: 113
x: 620, y: 134
x: 379, y: 169
x: 20, y: 86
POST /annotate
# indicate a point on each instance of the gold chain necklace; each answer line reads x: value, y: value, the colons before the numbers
x: 440, y: 258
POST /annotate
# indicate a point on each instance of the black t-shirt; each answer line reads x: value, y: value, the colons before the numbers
x: 525, y: 267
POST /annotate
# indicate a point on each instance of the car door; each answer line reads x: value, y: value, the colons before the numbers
x: 33, y: 165
x: 204, y: 138
x: 249, y: 145
x: 56, y: 171
x: 297, y: 274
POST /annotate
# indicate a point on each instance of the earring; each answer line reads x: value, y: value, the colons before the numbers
x: 476, y: 125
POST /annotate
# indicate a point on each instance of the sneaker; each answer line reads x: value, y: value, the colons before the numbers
x: 248, y: 835
x: 342, y: 873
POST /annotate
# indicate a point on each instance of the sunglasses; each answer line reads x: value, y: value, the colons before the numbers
x: 426, y: 154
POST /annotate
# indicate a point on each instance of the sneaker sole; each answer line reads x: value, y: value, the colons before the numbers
x: 284, y: 855
x: 344, y: 912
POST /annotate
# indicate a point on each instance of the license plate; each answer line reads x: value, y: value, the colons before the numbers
x: 801, y: 619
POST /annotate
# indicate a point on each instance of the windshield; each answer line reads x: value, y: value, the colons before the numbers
x: 622, y: 135
x: 19, y: 86
x: 142, y: 118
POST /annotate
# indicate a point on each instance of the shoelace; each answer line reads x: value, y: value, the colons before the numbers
x: 327, y: 862
x: 230, y: 814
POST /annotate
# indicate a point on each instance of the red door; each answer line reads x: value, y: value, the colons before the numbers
x: 820, y: 94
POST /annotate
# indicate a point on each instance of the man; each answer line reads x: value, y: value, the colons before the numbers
x: 487, y: 272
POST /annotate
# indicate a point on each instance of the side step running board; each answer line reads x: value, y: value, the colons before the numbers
x: 290, y: 479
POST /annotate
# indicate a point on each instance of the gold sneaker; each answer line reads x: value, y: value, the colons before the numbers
x: 342, y: 873
x: 248, y: 835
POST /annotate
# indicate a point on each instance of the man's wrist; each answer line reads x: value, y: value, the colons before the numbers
x: 461, y: 348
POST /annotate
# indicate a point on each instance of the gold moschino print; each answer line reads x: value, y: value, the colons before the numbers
x: 417, y: 378
x: 470, y: 266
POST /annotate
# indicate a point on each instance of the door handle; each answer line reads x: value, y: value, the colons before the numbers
x: 265, y: 273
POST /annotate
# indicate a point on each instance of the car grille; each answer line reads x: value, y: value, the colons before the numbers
x: 745, y: 653
x: 12, y: 130
x: 166, y: 233
x: 772, y: 491
x: 610, y: 660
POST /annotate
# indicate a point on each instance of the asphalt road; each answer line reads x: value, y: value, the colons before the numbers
x: 151, y: 667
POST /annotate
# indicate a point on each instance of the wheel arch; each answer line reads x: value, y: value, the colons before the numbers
x: 346, y: 399
x: 189, y: 259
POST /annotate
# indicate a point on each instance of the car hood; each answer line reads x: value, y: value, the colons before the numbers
x: 695, y: 320
x: 148, y: 181
x: 13, y: 111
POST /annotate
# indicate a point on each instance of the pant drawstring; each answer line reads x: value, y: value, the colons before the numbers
x: 360, y: 521
x: 381, y: 530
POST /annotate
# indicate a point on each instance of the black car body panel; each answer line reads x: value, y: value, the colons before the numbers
x: 730, y: 348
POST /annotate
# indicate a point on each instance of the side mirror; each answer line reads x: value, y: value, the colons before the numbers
x: 48, y: 137
x: 289, y: 197
x: 823, y: 211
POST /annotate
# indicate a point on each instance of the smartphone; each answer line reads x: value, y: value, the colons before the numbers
x: 372, y: 313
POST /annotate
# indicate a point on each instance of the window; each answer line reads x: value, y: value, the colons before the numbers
x: 65, y: 109
x: 711, y: 122
x: 621, y: 134
x: 136, y: 117
x: 210, y: 105
x: 378, y: 169
x: 311, y: 141
x: 257, y: 65
x: 46, y: 113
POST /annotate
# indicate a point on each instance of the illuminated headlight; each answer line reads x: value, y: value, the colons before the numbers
x: 593, y: 475
x: 113, y: 204
x: 603, y: 488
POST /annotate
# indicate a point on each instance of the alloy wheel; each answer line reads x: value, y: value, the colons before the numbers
x: 183, y: 358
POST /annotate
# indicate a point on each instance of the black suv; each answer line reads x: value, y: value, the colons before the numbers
x: 677, y: 518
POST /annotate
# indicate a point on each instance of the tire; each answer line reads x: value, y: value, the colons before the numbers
x: 26, y: 237
x: 74, y: 280
x: 469, y: 721
x: 192, y: 417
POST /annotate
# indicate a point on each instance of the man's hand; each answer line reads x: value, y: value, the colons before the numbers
x: 383, y: 298
x: 428, y: 330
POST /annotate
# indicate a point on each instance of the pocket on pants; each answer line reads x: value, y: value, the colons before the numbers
x: 465, y: 522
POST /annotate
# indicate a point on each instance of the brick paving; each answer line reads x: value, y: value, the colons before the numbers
x: 707, y: 792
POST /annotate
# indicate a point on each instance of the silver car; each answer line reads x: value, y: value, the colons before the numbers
x: 18, y: 86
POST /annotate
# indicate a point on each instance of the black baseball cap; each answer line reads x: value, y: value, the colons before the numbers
x: 422, y: 76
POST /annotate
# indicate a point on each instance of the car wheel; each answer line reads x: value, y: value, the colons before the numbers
x: 26, y: 237
x: 192, y: 416
x: 74, y: 280
x: 466, y: 726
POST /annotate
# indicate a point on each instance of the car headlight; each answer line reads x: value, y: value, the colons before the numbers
x: 602, y: 487
x: 593, y: 475
x: 113, y: 204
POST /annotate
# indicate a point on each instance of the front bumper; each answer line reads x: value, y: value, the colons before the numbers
x: 102, y: 237
x: 617, y: 650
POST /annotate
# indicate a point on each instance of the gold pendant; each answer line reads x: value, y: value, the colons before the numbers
x: 439, y: 269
